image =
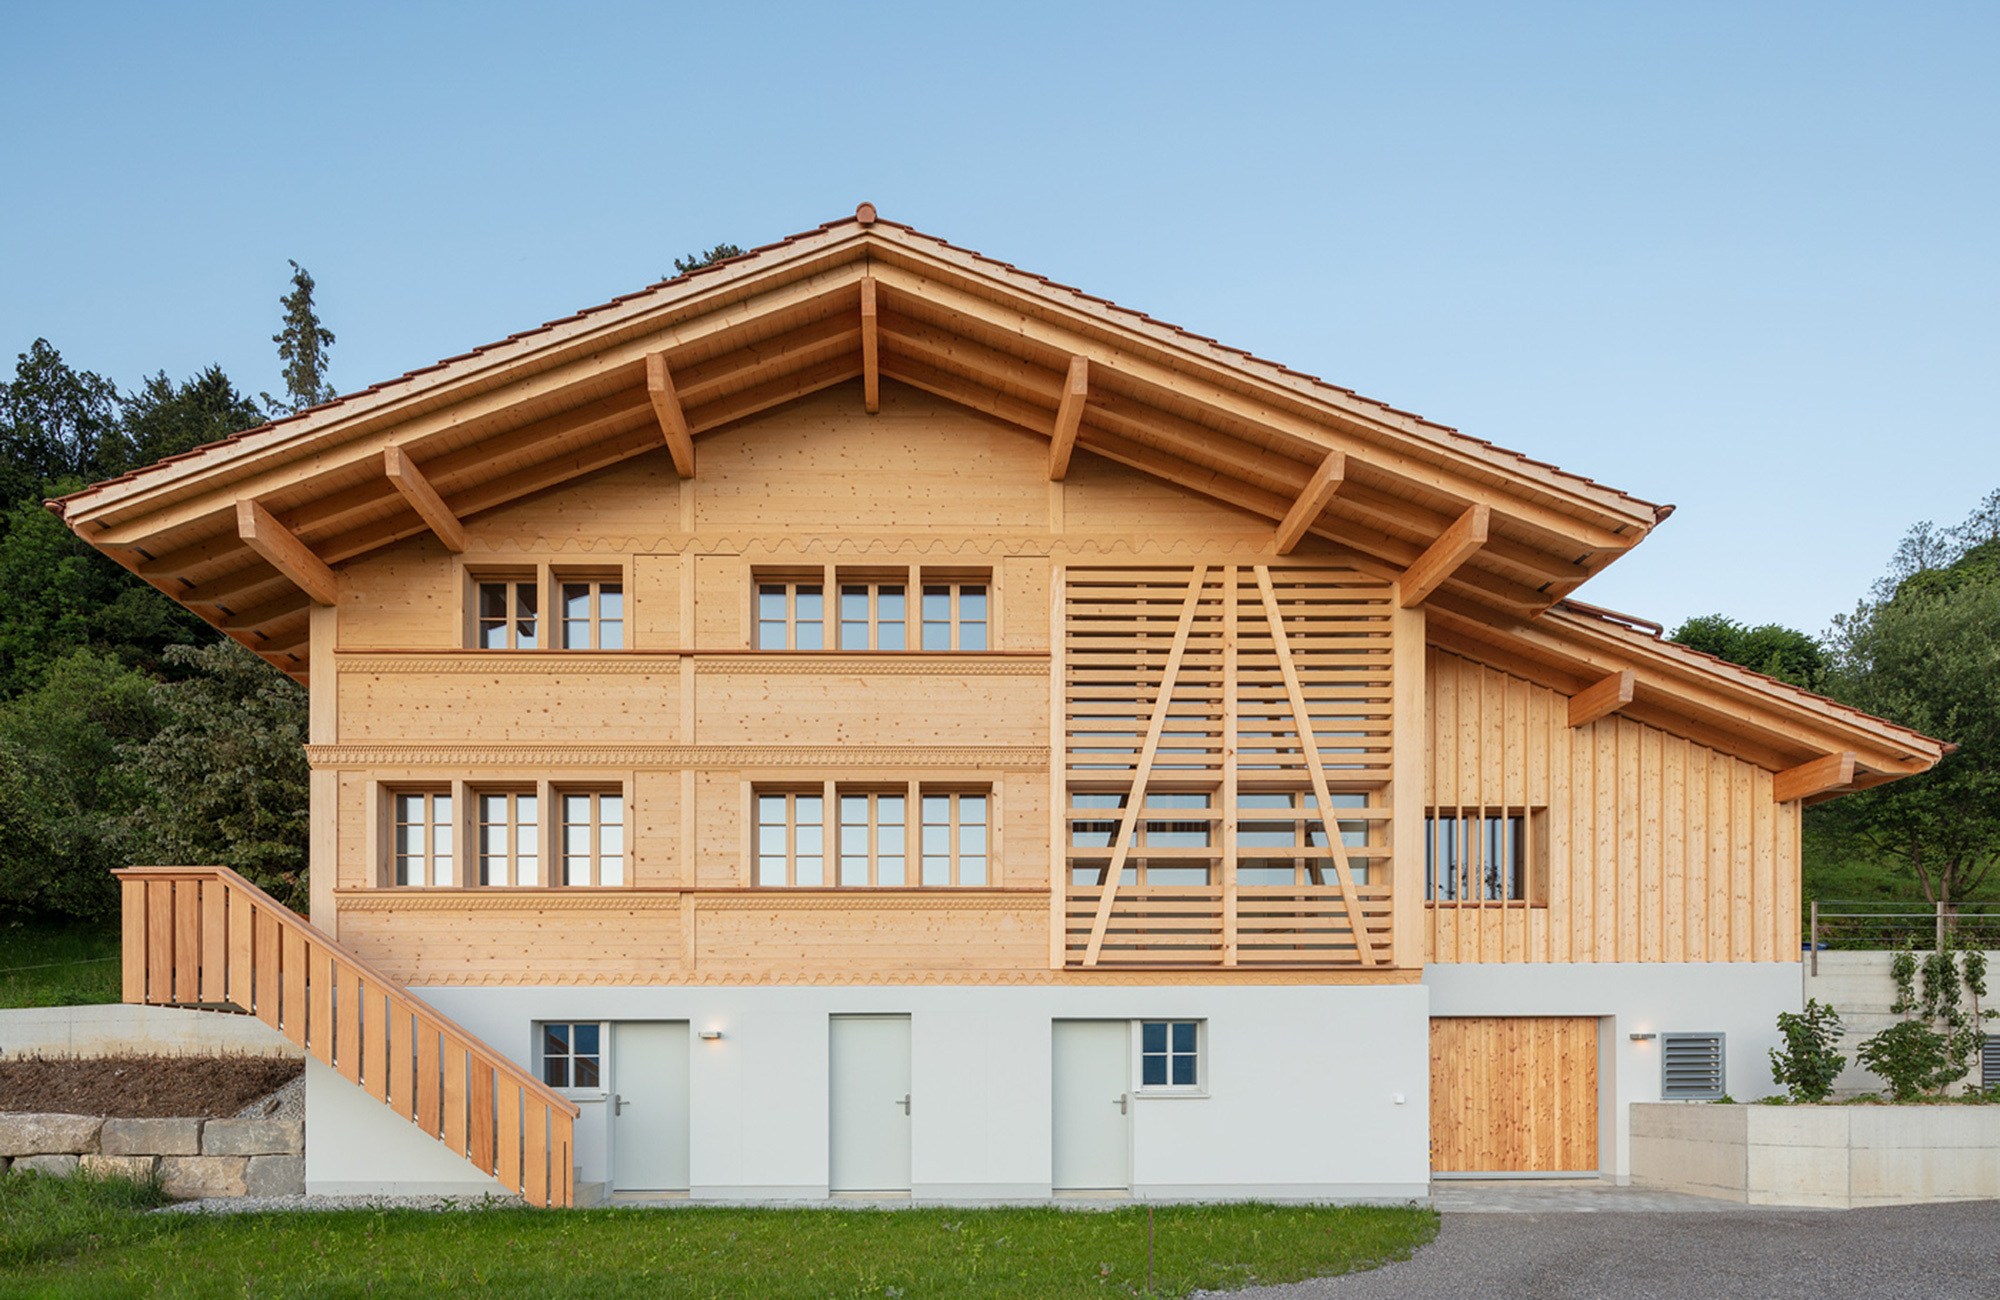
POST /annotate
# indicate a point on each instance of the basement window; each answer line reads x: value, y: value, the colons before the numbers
x: 1169, y: 1055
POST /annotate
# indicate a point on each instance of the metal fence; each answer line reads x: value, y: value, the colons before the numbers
x: 1845, y: 923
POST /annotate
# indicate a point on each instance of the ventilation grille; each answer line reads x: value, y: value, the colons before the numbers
x: 1690, y: 1067
x: 1989, y: 1062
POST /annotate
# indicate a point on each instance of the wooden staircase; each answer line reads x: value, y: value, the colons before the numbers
x: 206, y: 938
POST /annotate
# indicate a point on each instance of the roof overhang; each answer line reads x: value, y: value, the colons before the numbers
x: 246, y: 532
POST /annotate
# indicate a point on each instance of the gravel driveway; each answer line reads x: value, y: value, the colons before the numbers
x: 1915, y: 1252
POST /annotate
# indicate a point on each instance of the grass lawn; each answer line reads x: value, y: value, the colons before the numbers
x: 66, y: 964
x: 81, y: 1237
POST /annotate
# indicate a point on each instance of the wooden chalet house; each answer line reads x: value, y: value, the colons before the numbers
x: 863, y: 718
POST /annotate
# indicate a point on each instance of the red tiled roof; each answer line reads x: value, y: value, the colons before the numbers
x: 1660, y: 511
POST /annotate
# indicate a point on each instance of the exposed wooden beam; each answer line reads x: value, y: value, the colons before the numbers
x: 423, y: 498
x: 1831, y: 772
x: 286, y: 553
x: 1069, y: 417
x: 667, y: 407
x: 270, y: 612
x: 1455, y: 547
x: 871, y: 350
x: 1601, y: 700
x: 1319, y: 490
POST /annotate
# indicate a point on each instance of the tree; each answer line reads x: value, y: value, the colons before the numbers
x: 1774, y: 650
x: 54, y: 421
x: 1928, y: 656
x: 302, y: 346
x: 695, y: 261
x: 163, y: 419
x: 225, y: 778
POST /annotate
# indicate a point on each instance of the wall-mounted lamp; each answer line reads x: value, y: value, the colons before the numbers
x: 1637, y: 1038
x: 711, y: 1035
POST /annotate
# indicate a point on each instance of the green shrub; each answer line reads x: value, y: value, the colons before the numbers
x: 1914, y: 1058
x: 1809, y: 1062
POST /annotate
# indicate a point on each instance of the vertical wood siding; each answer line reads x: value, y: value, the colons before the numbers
x: 1514, y: 1094
x: 1643, y: 846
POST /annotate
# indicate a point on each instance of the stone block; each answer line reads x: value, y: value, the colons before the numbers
x: 41, y: 1135
x: 276, y: 1176
x: 189, y: 1178
x: 61, y: 1166
x: 151, y: 1137
x: 140, y: 1169
x: 253, y: 1137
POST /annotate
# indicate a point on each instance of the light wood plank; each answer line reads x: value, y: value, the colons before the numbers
x: 871, y: 349
x: 667, y: 409
x: 132, y: 947
x: 1817, y: 776
x: 262, y: 533
x: 416, y: 489
x: 1454, y: 547
x: 1069, y: 417
x: 1602, y: 700
x: 1312, y: 502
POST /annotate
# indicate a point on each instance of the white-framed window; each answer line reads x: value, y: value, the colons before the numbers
x: 592, y: 610
x: 874, y: 837
x: 954, y: 615
x: 860, y: 836
x: 572, y: 1054
x: 872, y: 609
x: 507, y: 612
x: 509, y: 836
x: 1170, y: 1056
x: 591, y: 837
x: 791, y: 614
x: 422, y: 844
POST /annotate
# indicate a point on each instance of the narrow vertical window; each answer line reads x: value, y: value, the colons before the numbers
x: 954, y: 839
x: 593, y: 614
x: 791, y: 839
x: 592, y: 838
x: 872, y: 830
x: 423, y: 839
x: 509, y: 839
x: 507, y: 614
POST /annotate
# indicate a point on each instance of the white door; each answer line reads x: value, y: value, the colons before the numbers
x: 1093, y: 1095
x: 649, y: 1105
x: 869, y: 1107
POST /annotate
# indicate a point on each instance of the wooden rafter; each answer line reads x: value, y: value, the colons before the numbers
x: 1309, y: 746
x: 1319, y: 490
x: 1069, y: 417
x: 871, y: 350
x: 1820, y: 776
x: 407, y: 479
x: 667, y: 407
x: 1457, y: 545
x: 287, y: 554
x: 1143, y: 771
x: 1602, y: 700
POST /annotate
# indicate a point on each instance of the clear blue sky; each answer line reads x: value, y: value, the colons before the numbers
x: 1740, y: 257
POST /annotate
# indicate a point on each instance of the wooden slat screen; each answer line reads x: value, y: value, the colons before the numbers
x: 1195, y: 700
x: 205, y: 937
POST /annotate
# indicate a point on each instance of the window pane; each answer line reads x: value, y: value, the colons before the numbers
x: 972, y: 871
x: 972, y: 809
x: 853, y: 604
x: 937, y: 871
x: 889, y: 871
x: 586, y: 1072
x: 771, y: 604
x: 493, y: 600
x: 1152, y: 1037
x: 889, y: 605
x: 610, y: 870
x: 555, y: 1071
x: 1183, y: 1035
x: 937, y: 839
x: 854, y: 869
x: 771, y: 840
x: 853, y: 840
x: 972, y: 636
x: 811, y: 636
x: 889, y: 810
x: 972, y: 604
x: 770, y: 871
x: 937, y: 636
x: 611, y: 809
x: 1153, y: 1071
x: 770, y: 636
x: 889, y: 636
x: 853, y: 636
x: 810, y: 608
x: 937, y: 604
x: 971, y: 840
x: 889, y: 835
x: 610, y: 601
x: 585, y: 1039
x: 1184, y: 1071
x: 524, y: 808
x: 610, y: 635
x: 811, y: 871
x: 555, y: 1040
x: 576, y: 602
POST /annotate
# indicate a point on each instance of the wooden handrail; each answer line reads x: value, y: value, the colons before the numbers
x: 204, y: 937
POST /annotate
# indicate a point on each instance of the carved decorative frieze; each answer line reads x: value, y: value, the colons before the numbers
x: 711, y: 757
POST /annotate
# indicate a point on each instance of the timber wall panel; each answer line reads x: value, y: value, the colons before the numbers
x: 1646, y: 846
x: 517, y: 945
x: 400, y: 598
x: 1514, y: 1094
x: 886, y: 933
x: 824, y: 465
x: 656, y: 602
x: 510, y: 705
x: 653, y: 813
x: 722, y: 602
x: 834, y: 708
x: 598, y: 513
x: 1101, y: 496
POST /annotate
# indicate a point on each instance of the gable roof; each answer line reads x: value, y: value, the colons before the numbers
x: 237, y: 530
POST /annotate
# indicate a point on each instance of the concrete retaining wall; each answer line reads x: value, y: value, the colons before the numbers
x: 1836, y: 1157
x: 120, y: 1030
x: 192, y: 1158
x: 1859, y: 986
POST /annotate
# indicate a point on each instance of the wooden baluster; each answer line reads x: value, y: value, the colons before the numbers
x: 160, y: 942
x: 428, y: 1065
x: 187, y: 942
x: 239, y: 987
x: 373, y: 1033
x: 479, y: 1115
x: 457, y: 1111
x: 402, y: 1064
x: 347, y: 1017
x: 270, y: 974
x: 133, y: 956
x: 315, y: 967
x: 214, y: 942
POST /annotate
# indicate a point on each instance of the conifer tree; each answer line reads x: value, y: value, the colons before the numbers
x: 302, y: 346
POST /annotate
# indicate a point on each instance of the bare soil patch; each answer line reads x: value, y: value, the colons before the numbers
x: 142, y: 1087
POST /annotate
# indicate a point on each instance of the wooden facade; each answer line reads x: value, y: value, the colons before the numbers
x: 864, y: 611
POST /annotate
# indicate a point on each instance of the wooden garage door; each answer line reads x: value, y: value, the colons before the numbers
x: 1513, y: 1094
